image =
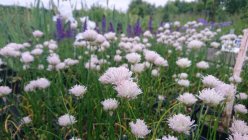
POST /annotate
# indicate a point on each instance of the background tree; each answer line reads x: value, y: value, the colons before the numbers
x: 235, y: 6
x: 141, y: 8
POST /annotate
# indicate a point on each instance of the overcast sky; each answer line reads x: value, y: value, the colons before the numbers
x: 118, y: 4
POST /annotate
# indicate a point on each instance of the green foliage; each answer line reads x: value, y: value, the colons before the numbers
x: 235, y: 6
x: 46, y: 106
x: 140, y: 8
x: 184, y: 7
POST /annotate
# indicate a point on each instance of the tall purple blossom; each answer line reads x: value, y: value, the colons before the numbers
x: 103, y: 24
x: 111, y: 27
x: 150, y: 24
x: 137, y: 28
x: 60, y: 34
x: 129, y: 30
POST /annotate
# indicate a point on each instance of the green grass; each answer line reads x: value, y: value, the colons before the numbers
x: 45, y: 106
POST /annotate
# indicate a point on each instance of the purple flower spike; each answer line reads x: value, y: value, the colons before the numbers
x: 137, y: 28
x: 129, y: 30
x: 150, y: 25
x: 60, y: 34
x: 111, y: 27
x: 103, y: 24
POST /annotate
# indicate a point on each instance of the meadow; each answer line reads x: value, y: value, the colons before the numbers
x: 92, y: 78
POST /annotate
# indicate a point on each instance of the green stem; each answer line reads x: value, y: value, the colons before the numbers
x: 160, y: 120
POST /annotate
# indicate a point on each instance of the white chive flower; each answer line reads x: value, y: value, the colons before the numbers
x: 187, y: 99
x: 210, y: 97
x: 66, y: 120
x: 139, y: 128
x: 78, y: 90
x: 180, y: 123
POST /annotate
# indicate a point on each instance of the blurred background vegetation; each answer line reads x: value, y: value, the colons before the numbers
x: 17, y: 23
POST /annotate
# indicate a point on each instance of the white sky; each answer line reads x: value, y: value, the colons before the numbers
x: 121, y: 5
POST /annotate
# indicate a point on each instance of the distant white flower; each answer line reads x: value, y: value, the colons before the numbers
x: 133, y: 58
x: 66, y: 120
x: 78, y: 90
x: 5, y: 90
x: 166, y: 25
x: 187, y: 99
x: 36, y: 51
x: 215, y: 44
x: 26, y: 120
x: 239, y: 126
x: 242, y: 96
x: 115, y: 75
x: 177, y: 23
x: 147, y: 34
x: 90, y: 35
x: 155, y: 72
x: 183, y: 76
x: 75, y: 138
x: 161, y: 97
x: 52, y: 46
x: 41, y: 83
x: 138, y: 68
x: 26, y: 58
x: 53, y: 59
x: 37, y: 34
x: 218, y: 30
x: 128, y: 89
x: 139, y: 129
x: 210, y: 81
x: 195, y: 44
x: 117, y: 58
x: 147, y: 64
x: 110, y: 104
x: 169, y: 137
x: 70, y: 62
x: 150, y: 56
x: 183, y: 62
x: 110, y: 36
x: 198, y: 75
x: 202, y: 65
x: 41, y: 67
x: 160, y: 61
x: 26, y: 44
x: 210, y: 97
x: 239, y: 108
x: 180, y: 123
x: 184, y: 83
